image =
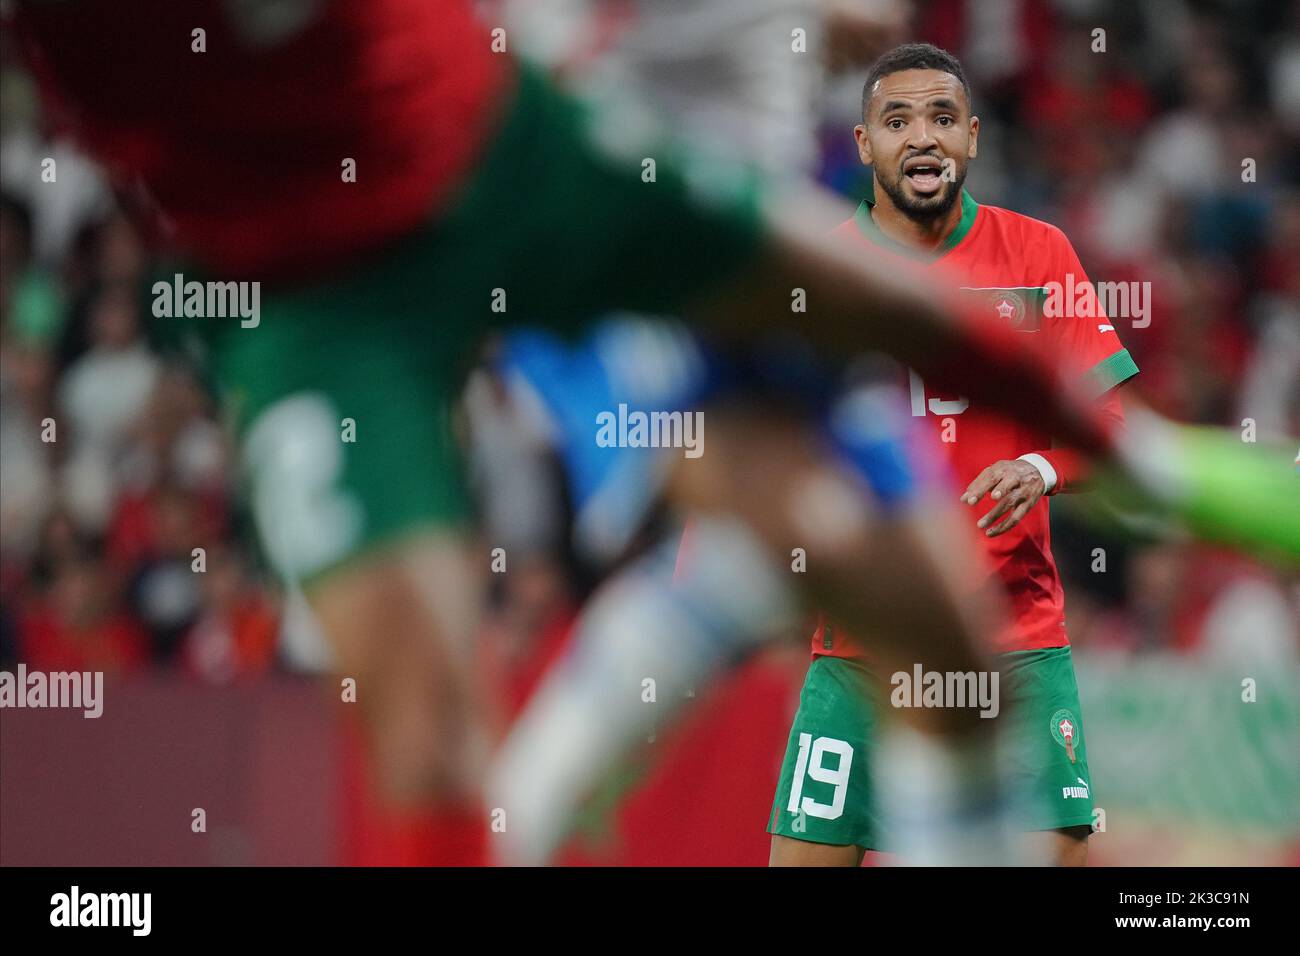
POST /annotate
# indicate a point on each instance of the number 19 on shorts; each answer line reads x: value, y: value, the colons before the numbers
x: 811, y: 762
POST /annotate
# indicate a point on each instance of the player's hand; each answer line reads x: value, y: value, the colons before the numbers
x: 1014, y: 486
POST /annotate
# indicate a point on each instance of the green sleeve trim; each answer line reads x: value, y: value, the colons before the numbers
x: 1111, y: 371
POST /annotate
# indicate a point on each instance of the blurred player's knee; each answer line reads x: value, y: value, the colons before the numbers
x: 773, y: 474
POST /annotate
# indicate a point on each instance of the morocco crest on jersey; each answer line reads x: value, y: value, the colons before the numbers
x: 1020, y: 309
x: 1064, y: 729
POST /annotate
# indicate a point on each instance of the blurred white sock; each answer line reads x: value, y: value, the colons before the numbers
x: 944, y: 803
x: 644, y: 641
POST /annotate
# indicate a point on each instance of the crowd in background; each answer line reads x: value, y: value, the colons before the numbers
x: 117, y: 476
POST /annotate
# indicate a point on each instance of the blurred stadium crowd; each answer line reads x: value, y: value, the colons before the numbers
x: 1136, y: 152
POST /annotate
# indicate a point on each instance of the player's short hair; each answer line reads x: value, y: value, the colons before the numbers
x: 913, y: 56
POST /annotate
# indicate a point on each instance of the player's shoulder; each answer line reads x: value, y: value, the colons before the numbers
x: 849, y: 227
x: 1018, y: 227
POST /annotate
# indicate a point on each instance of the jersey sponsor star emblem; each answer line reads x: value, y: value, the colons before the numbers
x: 1064, y: 731
x: 1010, y: 307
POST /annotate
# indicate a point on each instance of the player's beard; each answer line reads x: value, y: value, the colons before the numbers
x: 923, y: 210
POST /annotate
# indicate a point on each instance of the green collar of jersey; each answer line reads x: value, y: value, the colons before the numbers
x: 867, y: 226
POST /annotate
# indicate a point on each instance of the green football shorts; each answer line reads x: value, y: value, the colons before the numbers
x: 342, y: 393
x: 832, y: 743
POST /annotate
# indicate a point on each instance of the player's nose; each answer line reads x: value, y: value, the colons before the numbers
x: 923, y: 137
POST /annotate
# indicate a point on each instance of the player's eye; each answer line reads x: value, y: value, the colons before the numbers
x: 894, y: 124
x: 945, y: 121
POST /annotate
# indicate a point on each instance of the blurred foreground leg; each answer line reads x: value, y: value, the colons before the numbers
x: 401, y: 623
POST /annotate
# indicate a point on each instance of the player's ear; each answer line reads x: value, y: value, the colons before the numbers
x: 974, y: 137
x: 864, y: 145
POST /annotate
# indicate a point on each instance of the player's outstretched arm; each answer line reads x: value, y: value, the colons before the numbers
x: 856, y: 304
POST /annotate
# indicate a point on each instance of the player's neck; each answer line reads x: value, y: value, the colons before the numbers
x: 897, y: 226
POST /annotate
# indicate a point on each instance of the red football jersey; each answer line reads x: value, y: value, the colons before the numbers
x: 240, y: 133
x: 1025, y: 273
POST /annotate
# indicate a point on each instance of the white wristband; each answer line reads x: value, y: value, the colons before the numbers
x: 1044, y: 468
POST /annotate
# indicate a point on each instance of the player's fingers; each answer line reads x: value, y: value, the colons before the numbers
x: 981, y: 486
x: 1011, y: 520
x: 1004, y: 505
x: 1007, y: 483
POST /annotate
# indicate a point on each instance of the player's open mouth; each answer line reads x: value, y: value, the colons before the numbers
x: 924, y: 174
